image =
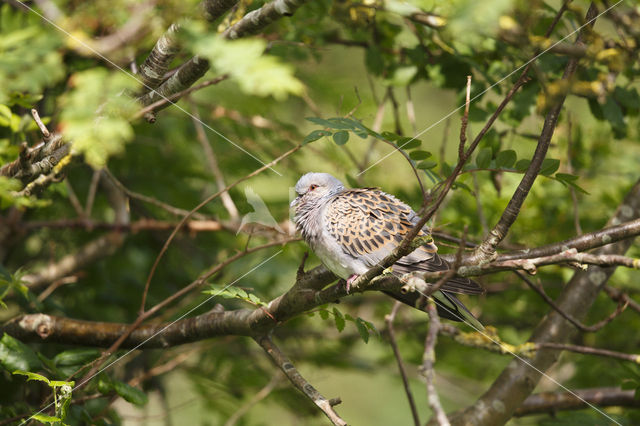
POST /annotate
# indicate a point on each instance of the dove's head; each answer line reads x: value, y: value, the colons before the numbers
x: 313, y: 191
x: 313, y: 188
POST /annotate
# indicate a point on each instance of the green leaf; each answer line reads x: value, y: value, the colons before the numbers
x: 320, y: 121
x: 130, y: 394
x: 483, y: 159
x: 614, y: 115
x: 506, y: 159
x: 407, y: 143
x: 549, y: 166
x: 324, y: 314
x: 245, y: 61
x: 569, y: 180
x: 44, y: 418
x: 339, y: 319
x: 390, y: 136
x: 423, y: 165
x: 628, y: 98
x: 419, y: 155
x: 362, y: 329
x: 315, y: 135
x: 522, y: 165
x: 341, y: 137
x: 96, y: 115
x: 402, y: 76
x: 374, y: 60
x: 32, y: 376
x: 60, y: 383
x: 629, y: 384
x: 15, y: 355
x: 76, y: 356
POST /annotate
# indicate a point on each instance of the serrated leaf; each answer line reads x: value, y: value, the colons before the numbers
x: 339, y: 319
x: 483, y: 159
x: 15, y: 355
x: 506, y: 159
x: 76, y: 356
x: 549, y: 166
x: 522, y: 165
x: 324, y: 314
x: 423, y: 165
x: 363, y: 330
x: 341, y: 137
x: 246, y: 62
x: 315, y: 135
x: 130, y: 394
x: 419, y: 155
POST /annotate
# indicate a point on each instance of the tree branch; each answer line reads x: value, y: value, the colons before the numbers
x: 396, y: 352
x: 428, y: 359
x: 297, y: 380
x: 518, y: 380
x: 552, y: 402
x: 486, y: 251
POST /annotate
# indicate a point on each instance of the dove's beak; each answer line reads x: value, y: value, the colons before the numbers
x: 295, y: 202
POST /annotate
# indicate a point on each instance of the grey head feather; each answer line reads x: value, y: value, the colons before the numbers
x: 314, y: 191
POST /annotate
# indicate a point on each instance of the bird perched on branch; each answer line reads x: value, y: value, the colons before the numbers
x: 352, y: 230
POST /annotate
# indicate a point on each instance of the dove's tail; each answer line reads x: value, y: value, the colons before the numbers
x: 448, y: 306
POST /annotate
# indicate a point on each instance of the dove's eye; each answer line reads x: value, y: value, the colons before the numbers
x: 312, y: 187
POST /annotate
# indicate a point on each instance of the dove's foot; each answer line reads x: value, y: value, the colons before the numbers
x: 351, y: 279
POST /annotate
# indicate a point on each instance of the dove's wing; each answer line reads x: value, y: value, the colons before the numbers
x: 368, y: 224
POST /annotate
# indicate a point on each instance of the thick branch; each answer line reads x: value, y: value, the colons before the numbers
x: 552, y: 402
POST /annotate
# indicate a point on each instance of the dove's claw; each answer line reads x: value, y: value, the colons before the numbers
x: 351, y: 279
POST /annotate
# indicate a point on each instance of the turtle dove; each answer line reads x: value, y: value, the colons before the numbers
x: 351, y: 230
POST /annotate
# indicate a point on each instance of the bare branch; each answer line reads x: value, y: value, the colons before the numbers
x: 486, y: 251
x: 464, y: 120
x: 428, y: 359
x: 538, y: 289
x: 396, y: 352
x: 99, y: 248
x: 552, y: 402
x: 259, y: 396
x: 212, y: 161
x: 297, y: 380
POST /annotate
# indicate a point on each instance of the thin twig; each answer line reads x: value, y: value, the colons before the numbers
x: 46, y: 135
x: 579, y: 325
x: 91, y: 195
x: 396, y: 352
x: 428, y: 360
x: 259, y: 396
x: 572, y: 190
x: 212, y: 161
x: 465, y: 120
x: 281, y: 360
